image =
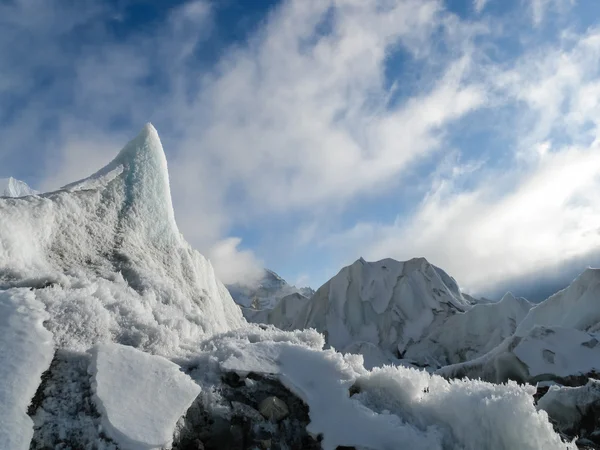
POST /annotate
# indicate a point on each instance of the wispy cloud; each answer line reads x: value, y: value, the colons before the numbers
x: 326, y: 104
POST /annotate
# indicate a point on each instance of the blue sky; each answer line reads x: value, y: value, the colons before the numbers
x: 304, y: 134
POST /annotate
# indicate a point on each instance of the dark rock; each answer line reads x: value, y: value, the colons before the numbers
x: 237, y: 423
x: 274, y: 409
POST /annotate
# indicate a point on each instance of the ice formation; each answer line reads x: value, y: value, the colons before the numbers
x: 26, y: 350
x: 140, y: 396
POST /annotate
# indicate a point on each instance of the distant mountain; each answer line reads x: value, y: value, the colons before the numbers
x: 266, y: 292
x: 10, y: 187
x: 388, y: 303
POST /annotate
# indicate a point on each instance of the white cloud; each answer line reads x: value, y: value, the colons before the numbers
x: 479, y: 5
x: 537, y: 213
x: 233, y: 265
x: 540, y: 8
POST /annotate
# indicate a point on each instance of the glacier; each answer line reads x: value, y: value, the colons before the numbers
x: 114, y: 329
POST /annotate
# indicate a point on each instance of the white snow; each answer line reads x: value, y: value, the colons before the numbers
x: 568, y: 405
x: 111, y: 247
x: 26, y: 351
x: 469, y: 335
x: 10, y: 187
x: 388, y: 303
x: 395, y: 404
x: 544, y: 354
x: 577, y: 306
x: 139, y: 396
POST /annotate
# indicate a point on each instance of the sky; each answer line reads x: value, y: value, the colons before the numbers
x: 304, y: 134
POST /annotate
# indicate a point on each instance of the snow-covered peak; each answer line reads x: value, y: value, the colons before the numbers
x: 388, y: 303
x: 266, y: 292
x: 576, y: 306
x: 11, y: 187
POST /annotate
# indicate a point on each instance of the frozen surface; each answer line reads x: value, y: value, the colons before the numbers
x: 469, y: 335
x: 111, y: 261
x: 26, y: 351
x: 394, y: 404
x: 568, y: 405
x: 10, y: 187
x: 140, y: 396
x: 389, y: 303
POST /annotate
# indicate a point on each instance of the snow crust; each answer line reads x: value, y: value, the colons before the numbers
x: 389, y: 303
x: 26, y: 351
x: 140, y: 396
x: 11, y: 187
x: 469, y: 335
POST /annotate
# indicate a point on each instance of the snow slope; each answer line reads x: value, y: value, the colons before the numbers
x: 388, y: 303
x: 140, y: 396
x: 577, y: 306
x: 557, y: 339
x: 469, y: 335
x: 544, y: 354
x: 266, y: 292
x: 10, y: 187
x: 25, y: 353
x: 107, y: 251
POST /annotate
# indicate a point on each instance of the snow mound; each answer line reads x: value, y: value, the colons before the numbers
x: 389, y: 303
x: 266, y: 293
x: 139, y: 396
x: 107, y: 248
x: 10, y: 187
x: 26, y: 351
x: 391, y: 404
x: 577, y: 306
x: 469, y: 335
x: 568, y: 406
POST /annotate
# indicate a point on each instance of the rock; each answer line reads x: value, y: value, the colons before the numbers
x: 247, y: 412
x: 274, y: 409
x: 585, y: 444
x: 265, y: 444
